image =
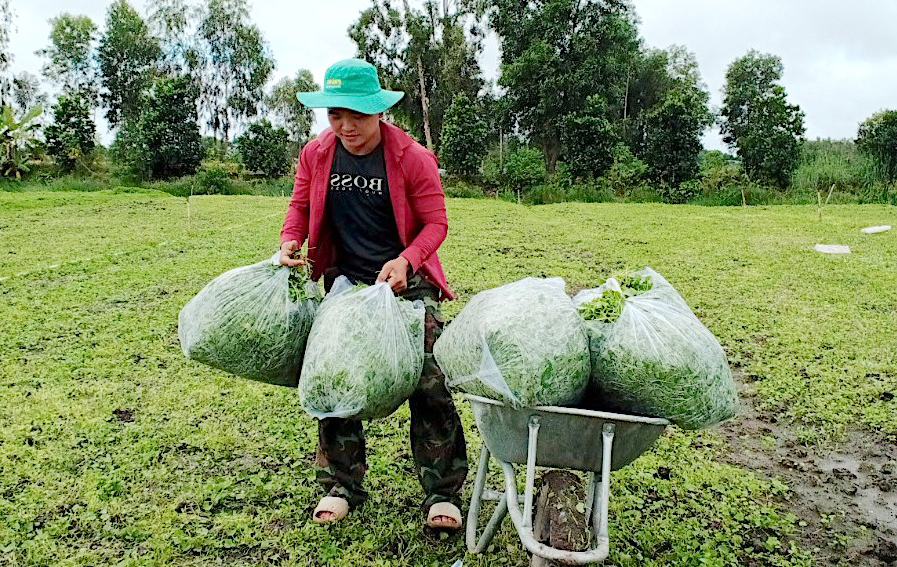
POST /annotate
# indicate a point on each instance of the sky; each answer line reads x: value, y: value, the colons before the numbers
x: 840, y: 59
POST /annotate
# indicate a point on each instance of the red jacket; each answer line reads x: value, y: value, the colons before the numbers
x: 415, y: 190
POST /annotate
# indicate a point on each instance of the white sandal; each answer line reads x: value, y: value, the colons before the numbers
x: 336, y: 506
x: 436, y: 517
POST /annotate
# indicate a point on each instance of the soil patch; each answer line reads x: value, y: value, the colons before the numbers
x: 846, y: 493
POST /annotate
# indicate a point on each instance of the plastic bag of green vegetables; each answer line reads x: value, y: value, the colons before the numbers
x: 252, y: 321
x: 365, y: 353
x: 522, y: 343
x: 652, y: 356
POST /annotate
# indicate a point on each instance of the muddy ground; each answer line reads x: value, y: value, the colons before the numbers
x: 845, y: 493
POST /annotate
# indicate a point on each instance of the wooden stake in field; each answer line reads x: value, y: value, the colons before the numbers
x: 819, y: 202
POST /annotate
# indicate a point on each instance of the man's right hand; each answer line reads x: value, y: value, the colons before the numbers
x: 287, y: 249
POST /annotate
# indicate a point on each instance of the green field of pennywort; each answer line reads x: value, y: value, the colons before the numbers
x: 115, y: 450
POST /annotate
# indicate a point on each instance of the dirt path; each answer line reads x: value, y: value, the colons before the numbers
x: 846, y: 494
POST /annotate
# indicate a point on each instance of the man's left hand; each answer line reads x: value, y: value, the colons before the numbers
x: 395, y: 273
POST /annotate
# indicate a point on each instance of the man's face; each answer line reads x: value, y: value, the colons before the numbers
x: 359, y: 133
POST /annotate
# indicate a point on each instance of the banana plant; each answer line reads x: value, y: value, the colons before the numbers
x: 18, y: 141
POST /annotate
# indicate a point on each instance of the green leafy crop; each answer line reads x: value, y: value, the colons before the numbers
x: 365, y: 353
x: 521, y: 343
x: 252, y: 322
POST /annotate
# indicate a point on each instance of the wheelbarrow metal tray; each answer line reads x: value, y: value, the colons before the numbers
x: 569, y: 438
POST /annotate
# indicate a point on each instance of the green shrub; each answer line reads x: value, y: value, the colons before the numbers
x: 825, y: 163
x: 491, y: 170
x: 264, y: 149
x: 715, y: 177
x: 678, y: 194
x: 627, y: 173
x: 524, y: 168
x: 164, y: 141
x: 546, y: 194
x: 463, y: 189
x: 749, y: 193
x: 643, y: 193
x: 214, y: 178
x: 463, y: 137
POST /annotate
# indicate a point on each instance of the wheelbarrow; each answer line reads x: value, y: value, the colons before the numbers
x: 557, y: 437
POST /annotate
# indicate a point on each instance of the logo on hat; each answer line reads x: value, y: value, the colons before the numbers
x: 334, y: 83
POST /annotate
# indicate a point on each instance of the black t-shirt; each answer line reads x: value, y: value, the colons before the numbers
x: 360, y: 214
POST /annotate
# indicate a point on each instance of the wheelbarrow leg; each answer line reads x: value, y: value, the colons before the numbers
x: 597, y: 502
x: 474, y: 544
x: 602, y: 495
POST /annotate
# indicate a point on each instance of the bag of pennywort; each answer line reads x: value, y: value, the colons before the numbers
x: 652, y: 356
x: 522, y: 343
x: 252, y: 321
x: 365, y: 353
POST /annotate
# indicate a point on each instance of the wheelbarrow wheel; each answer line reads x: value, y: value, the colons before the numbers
x: 559, y: 515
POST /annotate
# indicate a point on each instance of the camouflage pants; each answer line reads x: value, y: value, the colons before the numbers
x: 437, y: 438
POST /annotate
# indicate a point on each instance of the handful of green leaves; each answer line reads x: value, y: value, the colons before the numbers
x: 522, y: 343
x: 608, y: 306
x: 650, y: 355
x: 365, y: 353
x: 252, y: 321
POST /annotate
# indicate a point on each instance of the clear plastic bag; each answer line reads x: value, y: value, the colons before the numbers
x: 522, y: 343
x: 365, y: 353
x: 658, y: 359
x: 252, y: 321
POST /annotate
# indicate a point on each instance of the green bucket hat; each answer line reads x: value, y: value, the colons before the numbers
x: 352, y: 84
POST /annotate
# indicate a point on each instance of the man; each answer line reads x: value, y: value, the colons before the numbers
x: 369, y: 200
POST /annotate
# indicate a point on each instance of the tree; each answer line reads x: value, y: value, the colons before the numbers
x: 877, y: 138
x: 673, y: 126
x: 426, y: 53
x: 647, y: 82
x: 70, y: 138
x: 285, y: 109
x: 164, y: 141
x: 558, y: 53
x: 69, y: 63
x: 236, y: 66
x: 26, y: 93
x: 169, y: 23
x: 589, y: 139
x: 265, y: 149
x: 128, y: 56
x: 18, y: 141
x: 6, y: 22
x: 463, y: 144
x: 673, y: 137
x: 758, y: 121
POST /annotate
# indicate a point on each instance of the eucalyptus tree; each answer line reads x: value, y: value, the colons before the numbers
x: 236, y: 63
x: 430, y: 53
x: 128, y: 58
x: 69, y: 57
x: 285, y: 110
x: 6, y: 25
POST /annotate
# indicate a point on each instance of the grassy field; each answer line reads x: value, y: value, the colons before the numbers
x: 115, y: 450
